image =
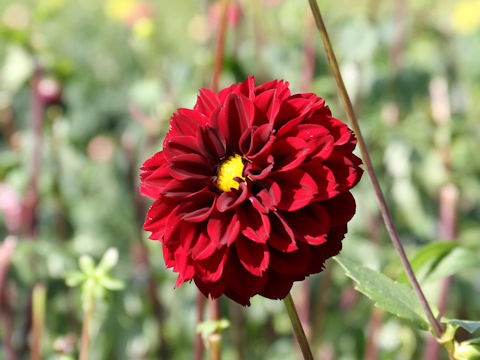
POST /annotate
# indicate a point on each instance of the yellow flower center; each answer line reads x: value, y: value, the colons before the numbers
x: 229, y: 170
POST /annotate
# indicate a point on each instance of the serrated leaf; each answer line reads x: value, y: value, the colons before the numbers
x: 470, y: 326
x: 396, y: 298
x: 457, y: 260
x: 429, y: 254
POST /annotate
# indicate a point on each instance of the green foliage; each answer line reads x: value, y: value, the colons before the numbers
x: 470, y: 326
x: 95, y: 280
x: 206, y: 328
x: 429, y: 256
x: 396, y: 298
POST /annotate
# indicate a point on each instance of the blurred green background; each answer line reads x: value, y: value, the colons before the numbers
x: 86, y: 92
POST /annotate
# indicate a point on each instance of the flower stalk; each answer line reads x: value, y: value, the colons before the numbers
x: 297, y: 328
x: 87, y: 319
x: 38, y: 320
x: 387, y: 218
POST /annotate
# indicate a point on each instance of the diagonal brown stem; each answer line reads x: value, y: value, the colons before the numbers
x: 387, y: 218
x: 297, y: 328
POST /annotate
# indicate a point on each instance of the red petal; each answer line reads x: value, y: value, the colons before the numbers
x: 223, y: 228
x: 203, y: 247
x: 181, y: 189
x: 230, y: 199
x: 233, y: 119
x: 268, y: 104
x: 325, y: 251
x: 345, y: 168
x: 320, y: 141
x: 194, y: 115
x: 270, y: 195
x: 298, y: 189
x: 294, y: 263
x: 210, y: 269
x: 182, y: 145
x: 258, y: 170
x: 253, y: 256
x: 310, y: 225
x: 338, y: 129
x: 247, y: 88
x: 188, y: 234
x: 327, y: 186
x: 281, y: 237
x: 254, y: 224
x: 183, y: 125
x: 213, y: 142
x: 183, y: 266
x: 213, y: 290
x: 240, y: 281
x: 188, y: 166
x: 207, y: 102
x: 157, y: 217
x: 298, y: 106
x: 153, y: 163
x: 283, y: 91
x: 155, y: 176
x: 340, y: 209
x: 154, y: 182
x: 278, y: 285
x: 197, y: 208
x: 289, y: 153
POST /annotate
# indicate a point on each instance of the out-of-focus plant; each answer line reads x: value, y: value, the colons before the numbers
x: 95, y: 282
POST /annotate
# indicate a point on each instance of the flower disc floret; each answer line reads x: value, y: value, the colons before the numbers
x: 251, y: 190
x: 230, y: 173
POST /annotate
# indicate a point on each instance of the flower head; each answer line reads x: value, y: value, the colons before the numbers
x: 251, y: 190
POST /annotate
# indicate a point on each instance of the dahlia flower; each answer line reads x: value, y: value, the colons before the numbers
x: 251, y: 190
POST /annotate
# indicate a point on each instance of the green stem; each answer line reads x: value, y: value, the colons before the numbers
x: 38, y: 321
x: 297, y: 328
x: 87, y: 318
x: 387, y: 218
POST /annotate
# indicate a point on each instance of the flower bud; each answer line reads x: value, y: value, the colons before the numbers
x: 467, y: 351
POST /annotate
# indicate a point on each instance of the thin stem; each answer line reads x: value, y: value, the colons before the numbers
x: 222, y: 30
x: 38, y: 321
x: 297, y: 328
x: 215, y: 339
x: 387, y: 218
x: 87, y: 318
x: 200, y: 305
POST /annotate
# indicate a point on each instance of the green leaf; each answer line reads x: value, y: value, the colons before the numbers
x: 206, y: 328
x: 470, y: 326
x: 109, y: 260
x: 86, y: 264
x: 75, y: 278
x: 398, y: 299
x: 111, y: 283
x: 429, y: 254
x: 457, y: 260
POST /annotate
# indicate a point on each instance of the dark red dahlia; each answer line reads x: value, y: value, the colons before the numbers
x: 251, y: 190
